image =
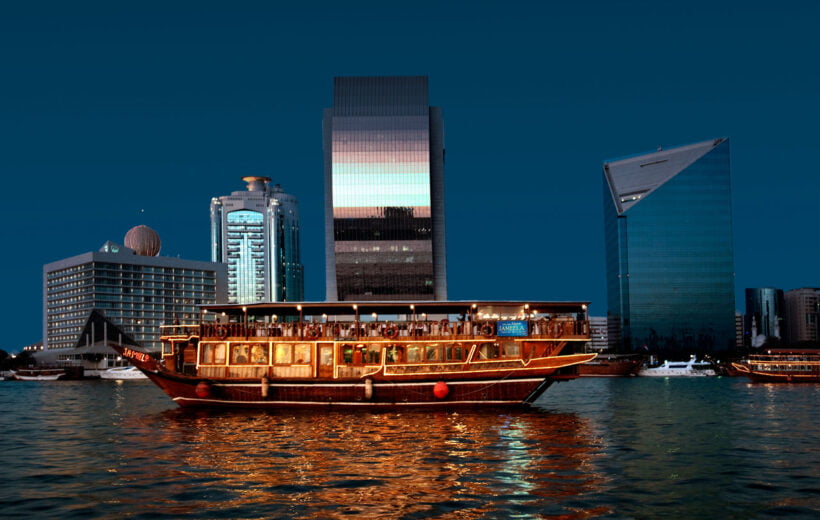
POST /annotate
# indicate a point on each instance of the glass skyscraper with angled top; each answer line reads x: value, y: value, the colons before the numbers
x: 384, y: 191
x: 256, y: 233
x: 669, y: 253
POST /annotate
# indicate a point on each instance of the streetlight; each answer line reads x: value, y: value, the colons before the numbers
x: 301, y: 322
x: 356, y: 322
x: 245, y: 324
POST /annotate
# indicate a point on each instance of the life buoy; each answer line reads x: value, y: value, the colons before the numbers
x: 487, y: 329
x: 312, y: 332
x: 222, y: 331
x: 391, y: 331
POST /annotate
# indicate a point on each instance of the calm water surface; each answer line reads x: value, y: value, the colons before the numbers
x: 592, y: 448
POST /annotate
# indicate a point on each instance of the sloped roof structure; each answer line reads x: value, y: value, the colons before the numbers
x: 632, y: 179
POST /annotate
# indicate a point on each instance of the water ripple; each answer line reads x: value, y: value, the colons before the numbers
x: 594, y: 448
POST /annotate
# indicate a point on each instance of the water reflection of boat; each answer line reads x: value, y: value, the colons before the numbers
x: 38, y: 374
x: 488, y: 463
x: 399, y: 354
x: 782, y: 366
x: 611, y: 365
x: 691, y: 368
x: 121, y: 373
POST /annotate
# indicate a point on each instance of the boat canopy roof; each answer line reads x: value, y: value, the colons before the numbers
x: 398, y: 307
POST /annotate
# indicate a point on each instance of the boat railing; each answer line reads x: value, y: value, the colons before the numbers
x: 388, y: 330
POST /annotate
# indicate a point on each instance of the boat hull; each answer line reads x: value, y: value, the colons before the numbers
x: 122, y: 374
x: 603, y: 367
x: 39, y: 375
x: 195, y: 392
x: 757, y: 376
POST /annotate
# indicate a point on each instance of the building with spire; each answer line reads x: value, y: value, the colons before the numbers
x: 384, y: 191
x: 256, y: 233
x: 669, y: 253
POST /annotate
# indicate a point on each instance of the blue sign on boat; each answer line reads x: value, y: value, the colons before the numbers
x: 515, y: 328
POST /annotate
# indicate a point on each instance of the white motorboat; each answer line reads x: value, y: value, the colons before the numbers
x: 122, y: 373
x: 691, y: 368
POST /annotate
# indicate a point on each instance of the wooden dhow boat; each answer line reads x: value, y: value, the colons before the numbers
x: 368, y: 354
x: 781, y: 366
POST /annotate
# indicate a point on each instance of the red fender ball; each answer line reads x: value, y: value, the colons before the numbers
x: 441, y: 390
x: 203, y: 389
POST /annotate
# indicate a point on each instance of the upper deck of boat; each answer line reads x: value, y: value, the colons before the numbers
x: 328, y: 321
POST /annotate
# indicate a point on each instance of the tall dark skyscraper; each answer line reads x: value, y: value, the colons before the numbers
x: 384, y: 191
x: 669, y: 253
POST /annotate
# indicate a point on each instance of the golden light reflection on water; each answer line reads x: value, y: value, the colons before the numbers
x: 331, y: 464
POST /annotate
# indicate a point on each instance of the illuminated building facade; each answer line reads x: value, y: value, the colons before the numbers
x: 764, y: 314
x: 384, y: 191
x: 802, y: 316
x: 138, y: 293
x: 669, y: 253
x: 256, y: 233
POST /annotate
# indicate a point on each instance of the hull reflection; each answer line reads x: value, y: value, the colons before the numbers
x: 387, y: 465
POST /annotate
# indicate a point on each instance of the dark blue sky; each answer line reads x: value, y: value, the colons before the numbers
x: 114, y: 114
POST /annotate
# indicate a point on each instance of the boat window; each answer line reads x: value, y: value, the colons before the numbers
x: 374, y: 354
x: 259, y: 354
x: 347, y: 353
x: 167, y: 348
x: 414, y: 353
x: 302, y: 352
x: 358, y: 354
x: 432, y: 353
x: 489, y: 351
x: 213, y: 354
x: 240, y: 354
x: 282, y: 354
x: 511, y: 349
x: 326, y: 357
x: 393, y: 353
x: 455, y: 352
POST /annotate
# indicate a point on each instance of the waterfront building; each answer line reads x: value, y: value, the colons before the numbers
x: 138, y: 292
x: 802, y: 313
x: 669, y: 254
x: 764, y: 315
x: 256, y: 233
x: 598, y: 334
x: 740, y: 331
x: 384, y: 191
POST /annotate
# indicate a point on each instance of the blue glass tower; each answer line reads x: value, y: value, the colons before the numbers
x: 669, y: 254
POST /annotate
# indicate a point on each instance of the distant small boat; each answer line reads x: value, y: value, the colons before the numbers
x: 38, y: 374
x: 691, y: 368
x: 782, y: 366
x: 122, y: 373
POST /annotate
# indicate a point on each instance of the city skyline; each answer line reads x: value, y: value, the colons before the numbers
x: 118, y: 116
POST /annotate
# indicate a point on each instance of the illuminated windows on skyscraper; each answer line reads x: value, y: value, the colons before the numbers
x: 256, y: 233
x: 384, y: 188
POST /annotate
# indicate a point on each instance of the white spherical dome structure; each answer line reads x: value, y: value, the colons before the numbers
x: 144, y: 240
